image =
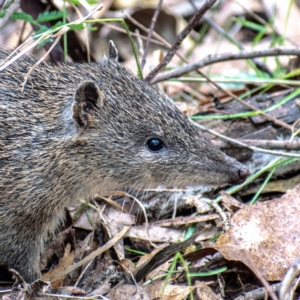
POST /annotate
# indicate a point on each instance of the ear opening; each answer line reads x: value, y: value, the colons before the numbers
x: 113, y: 51
x: 87, y: 98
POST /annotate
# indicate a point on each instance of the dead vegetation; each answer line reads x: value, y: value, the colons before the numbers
x: 234, y: 69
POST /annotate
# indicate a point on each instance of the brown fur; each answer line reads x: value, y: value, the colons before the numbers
x: 79, y: 129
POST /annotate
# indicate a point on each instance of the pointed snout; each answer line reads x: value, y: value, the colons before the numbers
x: 238, y: 172
x: 242, y: 174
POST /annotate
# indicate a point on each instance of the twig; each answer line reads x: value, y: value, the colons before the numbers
x: 211, y: 59
x: 268, y: 117
x: 236, y: 142
x: 256, y: 81
x: 153, y: 22
x: 58, y: 36
x: 268, y: 144
x: 11, y: 9
x: 38, y: 38
x: 180, y: 37
x: 82, y: 273
x: 161, y: 41
x: 253, y: 266
x: 209, y: 80
x: 260, y: 65
x: 258, y: 293
x: 289, y: 280
x: 72, y: 297
x: 267, y: 9
x: 94, y: 254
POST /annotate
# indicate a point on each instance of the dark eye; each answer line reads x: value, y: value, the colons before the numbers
x: 155, y: 144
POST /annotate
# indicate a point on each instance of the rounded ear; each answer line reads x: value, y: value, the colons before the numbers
x: 87, y: 98
x: 113, y: 51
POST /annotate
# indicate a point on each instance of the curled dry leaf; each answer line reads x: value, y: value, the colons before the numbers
x: 230, y: 202
x: 66, y: 261
x: 56, y: 247
x: 265, y: 235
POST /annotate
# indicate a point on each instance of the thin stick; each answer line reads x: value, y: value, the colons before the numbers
x: 153, y: 22
x: 94, y: 254
x: 260, y: 65
x: 276, y: 121
x: 160, y: 40
x: 236, y: 142
x: 211, y: 59
x: 180, y: 37
x: 58, y: 36
x: 268, y: 117
x: 268, y: 144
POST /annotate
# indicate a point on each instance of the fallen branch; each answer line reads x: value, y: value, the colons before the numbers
x: 215, y: 58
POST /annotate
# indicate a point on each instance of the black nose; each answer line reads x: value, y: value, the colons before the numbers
x: 243, y: 174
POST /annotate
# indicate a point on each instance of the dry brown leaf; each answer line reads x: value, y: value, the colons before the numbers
x: 83, y: 221
x: 55, y: 247
x: 128, y: 265
x: 128, y: 291
x: 204, y: 292
x: 178, y: 221
x: 265, y: 235
x: 158, y: 271
x: 278, y: 185
x: 94, y: 254
x: 152, y: 291
x: 66, y: 261
x: 114, y: 221
x: 209, y: 232
x: 230, y: 202
x: 82, y: 246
